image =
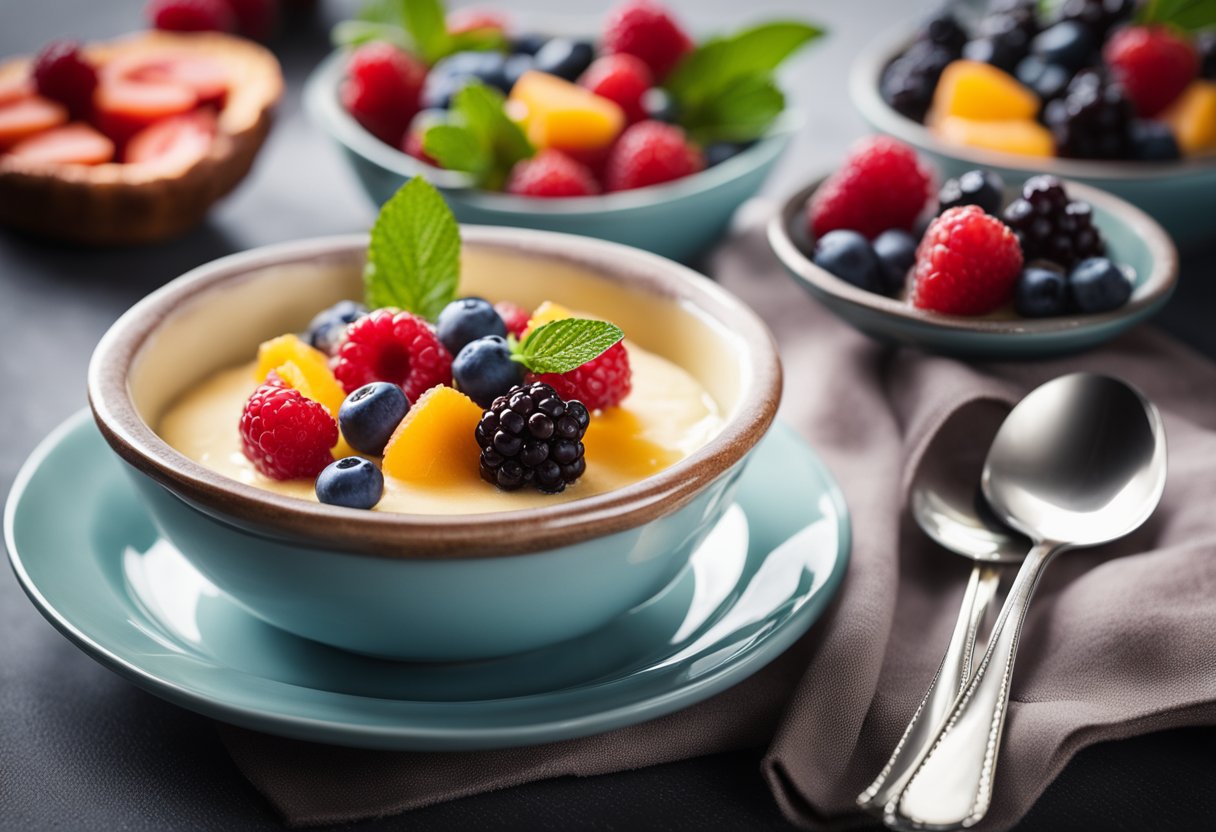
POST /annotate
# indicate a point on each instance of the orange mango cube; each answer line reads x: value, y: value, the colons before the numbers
x: 1022, y: 136
x: 308, y: 372
x: 980, y: 91
x: 434, y: 444
x: 546, y: 313
x: 1193, y: 118
x: 556, y: 113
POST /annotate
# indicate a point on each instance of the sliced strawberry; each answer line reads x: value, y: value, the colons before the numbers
x: 206, y: 77
x: 72, y: 144
x: 15, y: 89
x: 175, y: 142
x: 125, y: 107
x: 26, y: 117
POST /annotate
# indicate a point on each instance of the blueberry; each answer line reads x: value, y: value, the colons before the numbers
x: 326, y: 329
x: 353, y: 482
x: 719, y: 152
x: 896, y: 250
x: 439, y: 90
x: 1040, y: 293
x: 456, y: 70
x: 1098, y: 285
x: 483, y: 369
x: 565, y: 58
x: 1049, y: 81
x: 468, y: 319
x: 996, y: 51
x: 975, y: 187
x: 528, y: 44
x: 369, y: 416
x: 515, y: 67
x: 1153, y: 141
x: 849, y: 256
x: 1068, y: 44
x: 660, y: 105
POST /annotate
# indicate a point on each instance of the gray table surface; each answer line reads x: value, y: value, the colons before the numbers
x: 80, y: 748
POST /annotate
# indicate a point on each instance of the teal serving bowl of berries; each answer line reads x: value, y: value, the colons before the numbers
x: 1003, y: 305
x: 1010, y: 88
x: 472, y: 571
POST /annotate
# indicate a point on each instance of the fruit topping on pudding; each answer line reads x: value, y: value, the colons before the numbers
x: 551, y: 117
x: 1036, y: 256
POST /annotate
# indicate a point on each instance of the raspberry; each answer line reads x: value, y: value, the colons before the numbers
x: 645, y: 29
x: 392, y: 346
x: 967, y: 264
x: 256, y: 19
x: 602, y: 382
x: 63, y: 74
x: 285, y: 435
x: 623, y: 79
x: 514, y: 316
x: 650, y: 153
x: 530, y: 436
x: 881, y: 185
x: 1153, y: 64
x: 551, y: 173
x: 1052, y: 227
x: 473, y: 19
x: 382, y: 89
x: 191, y: 15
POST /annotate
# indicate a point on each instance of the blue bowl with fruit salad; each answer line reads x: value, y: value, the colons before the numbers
x: 975, y: 268
x: 643, y: 138
x: 1117, y: 95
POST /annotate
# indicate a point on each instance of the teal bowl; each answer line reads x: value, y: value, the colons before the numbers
x: 1133, y: 240
x: 433, y: 587
x: 1181, y: 195
x: 677, y: 220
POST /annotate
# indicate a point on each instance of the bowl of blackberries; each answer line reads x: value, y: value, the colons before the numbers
x: 637, y: 134
x: 970, y: 265
x: 1118, y: 94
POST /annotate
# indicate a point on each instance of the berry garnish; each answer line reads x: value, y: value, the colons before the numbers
x: 368, y: 416
x: 1099, y: 16
x: 551, y: 173
x: 1154, y: 141
x: 650, y: 153
x: 474, y: 18
x: 397, y: 347
x: 908, y: 82
x: 849, y: 256
x: 967, y: 263
x: 1154, y: 65
x: 881, y: 185
x: 531, y: 436
x: 1098, y: 285
x: 285, y: 435
x: 191, y: 15
x: 975, y: 187
x: 1052, y: 227
x: 465, y: 320
x: 896, y: 250
x: 63, y: 74
x: 1040, y: 293
x: 646, y: 30
x: 514, y: 316
x: 353, y: 482
x: 1066, y: 44
x: 382, y: 89
x: 328, y: 327
x: 1093, y: 120
x: 483, y: 370
x: 564, y: 57
x: 621, y: 78
x: 602, y: 382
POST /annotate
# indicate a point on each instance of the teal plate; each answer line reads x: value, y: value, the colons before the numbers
x: 103, y: 575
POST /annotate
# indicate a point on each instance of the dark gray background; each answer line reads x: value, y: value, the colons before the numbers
x: 80, y: 748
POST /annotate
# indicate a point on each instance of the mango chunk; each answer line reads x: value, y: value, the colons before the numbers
x: 980, y: 91
x: 546, y: 313
x: 310, y: 368
x: 1193, y: 118
x: 434, y: 444
x: 1025, y: 137
x: 556, y: 113
x: 614, y: 440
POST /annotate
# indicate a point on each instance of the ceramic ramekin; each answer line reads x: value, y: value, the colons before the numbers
x: 433, y: 587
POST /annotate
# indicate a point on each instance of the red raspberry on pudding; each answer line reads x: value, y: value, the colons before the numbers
x: 285, y: 435
x: 396, y: 347
x: 602, y: 382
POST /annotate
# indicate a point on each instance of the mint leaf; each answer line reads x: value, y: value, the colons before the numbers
x: 560, y: 346
x: 424, y: 21
x: 1188, y: 15
x: 418, y: 26
x: 744, y: 111
x: 457, y: 148
x: 358, y: 32
x: 480, y: 139
x: 413, y: 262
x: 479, y: 40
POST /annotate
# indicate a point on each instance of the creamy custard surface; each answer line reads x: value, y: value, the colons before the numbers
x: 667, y: 416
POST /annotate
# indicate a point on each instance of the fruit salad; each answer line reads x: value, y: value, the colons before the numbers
x: 417, y: 399
x: 541, y: 116
x: 1081, y: 79
x: 880, y: 224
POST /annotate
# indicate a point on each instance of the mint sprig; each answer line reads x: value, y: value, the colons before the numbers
x: 480, y: 138
x: 1187, y: 15
x: 561, y: 346
x: 413, y: 261
x: 418, y: 26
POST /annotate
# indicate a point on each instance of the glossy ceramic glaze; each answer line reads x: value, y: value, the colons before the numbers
x: 422, y: 586
x: 114, y: 585
x: 1133, y: 240
x: 1179, y: 195
x: 677, y: 220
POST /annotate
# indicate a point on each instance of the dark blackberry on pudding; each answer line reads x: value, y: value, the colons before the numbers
x: 1052, y: 227
x: 531, y: 436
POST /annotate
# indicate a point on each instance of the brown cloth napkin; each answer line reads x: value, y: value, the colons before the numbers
x: 1119, y: 640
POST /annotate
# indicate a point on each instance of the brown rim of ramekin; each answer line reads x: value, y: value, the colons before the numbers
x: 264, y: 513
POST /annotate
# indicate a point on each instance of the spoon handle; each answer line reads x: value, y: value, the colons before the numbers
x: 952, y: 675
x: 951, y: 785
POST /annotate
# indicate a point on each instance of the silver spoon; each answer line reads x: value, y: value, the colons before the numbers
x: 948, y: 507
x: 1079, y: 462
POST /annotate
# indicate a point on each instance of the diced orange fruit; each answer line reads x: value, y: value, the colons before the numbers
x: 614, y: 441
x: 556, y: 113
x: 207, y: 78
x: 173, y: 143
x: 1193, y: 118
x: 16, y: 88
x: 124, y: 107
x: 301, y: 367
x: 1023, y: 136
x: 434, y: 443
x: 547, y: 313
x: 27, y: 117
x: 976, y: 90
x: 72, y: 144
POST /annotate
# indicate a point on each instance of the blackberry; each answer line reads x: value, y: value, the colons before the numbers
x: 1003, y: 39
x: 530, y: 436
x: 908, y: 81
x: 1099, y: 16
x: 944, y: 30
x: 1052, y: 227
x: 1093, y: 120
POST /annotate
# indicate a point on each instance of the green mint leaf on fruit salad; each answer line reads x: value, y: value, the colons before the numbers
x: 1187, y: 15
x: 418, y: 26
x: 561, y: 346
x: 479, y: 137
x: 413, y: 262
